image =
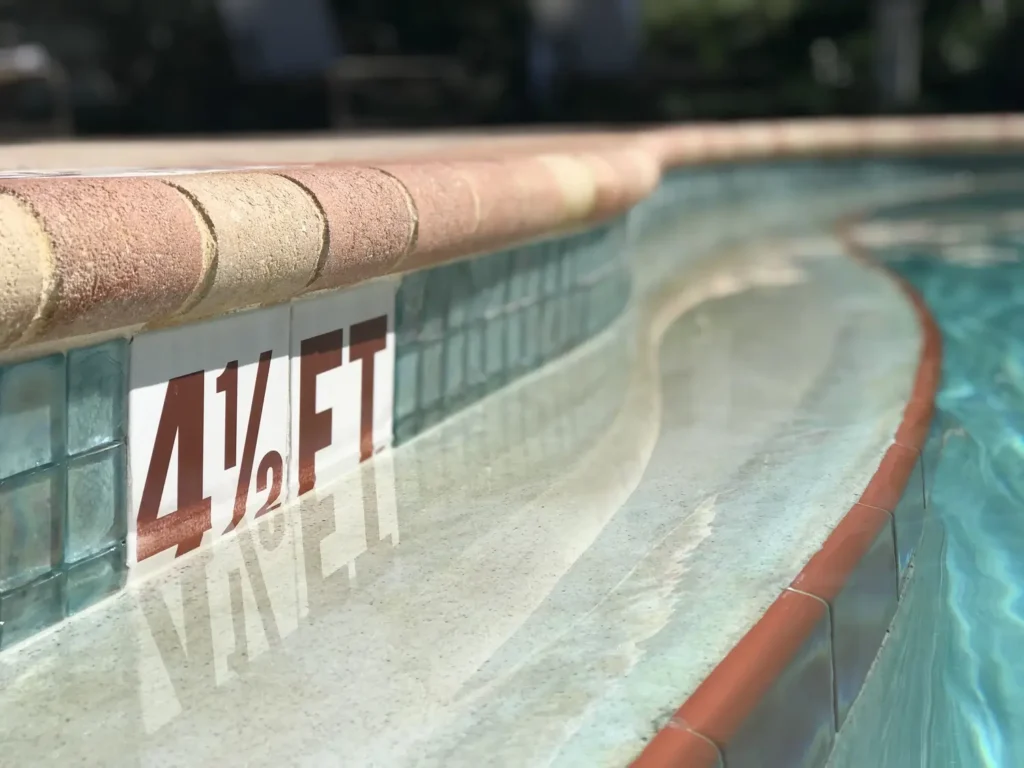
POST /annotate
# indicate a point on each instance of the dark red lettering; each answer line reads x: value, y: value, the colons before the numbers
x: 227, y: 383
x: 318, y: 355
x: 368, y: 338
x: 181, y: 419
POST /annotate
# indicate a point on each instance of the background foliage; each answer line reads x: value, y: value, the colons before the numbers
x: 165, y: 66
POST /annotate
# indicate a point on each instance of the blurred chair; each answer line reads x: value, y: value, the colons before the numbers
x: 373, y: 91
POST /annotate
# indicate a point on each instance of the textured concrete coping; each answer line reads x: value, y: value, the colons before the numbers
x: 95, y: 252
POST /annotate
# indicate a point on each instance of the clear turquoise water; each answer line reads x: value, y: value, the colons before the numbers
x: 948, y: 687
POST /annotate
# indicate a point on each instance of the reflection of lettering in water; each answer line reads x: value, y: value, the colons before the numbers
x: 201, y: 627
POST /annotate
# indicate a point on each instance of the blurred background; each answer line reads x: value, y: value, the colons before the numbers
x: 88, y: 67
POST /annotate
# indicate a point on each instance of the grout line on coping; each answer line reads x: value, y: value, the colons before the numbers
x: 208, y: 238
x: 325, y: 228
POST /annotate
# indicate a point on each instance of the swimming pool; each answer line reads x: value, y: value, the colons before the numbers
x: 633, y: 441
x: 948, y: 688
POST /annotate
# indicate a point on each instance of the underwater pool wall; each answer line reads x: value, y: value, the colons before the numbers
x: 184, y: 351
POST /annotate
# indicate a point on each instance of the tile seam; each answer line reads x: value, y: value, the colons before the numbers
x: 680, y: 724
x: 208, y: 238
x: 46, y: 306
x: 325, y: 228
x: 414, y: 215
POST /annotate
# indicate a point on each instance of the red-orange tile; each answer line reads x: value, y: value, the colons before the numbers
x: 724, y: 701
x: 890, y: 479
x: 827, y: 572
x: 678, y: 747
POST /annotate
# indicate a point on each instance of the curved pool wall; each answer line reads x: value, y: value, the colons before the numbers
x: 188, y: 351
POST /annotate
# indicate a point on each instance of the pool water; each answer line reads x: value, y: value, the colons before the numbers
x: 948, y: 687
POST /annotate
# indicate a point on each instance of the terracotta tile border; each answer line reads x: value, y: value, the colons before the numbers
x: 719, y: 707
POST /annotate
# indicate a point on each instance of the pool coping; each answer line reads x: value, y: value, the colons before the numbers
x: 699, y: 732
x: 95, y: 253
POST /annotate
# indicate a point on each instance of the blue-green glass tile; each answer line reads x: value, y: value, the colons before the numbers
x: 431, y: 375
x: 519, y: 265
x: 550, y: 322
x: 96, y: 517
x: 570, y: 247
x: 531, y: 336
x: 476, y: 375
x: 503, y: 268
x: 31, y: 517
x: 620, y: 240
x: 435, y: 308
x: 622, y: 285
x: 575, y: 310
x: 578, y: 260
x: 407, y: 365
x: 584, y: 260
x: 532, y: 282
x: 31, y: 414
x: 478, y: 275
x: 460, y: 299
x: 406, y: 429
x: 430, y: 416
x: 30, y: 609
x: 409, y: 303
x: 493, y: 280
x: 96, y: 394
x: 91, y: 580
x: 494, y: 350
x: 595, y: 309
x: 564, y: 339
x: 552, y: 266
x: 596, y: 258
x: 609, y: 303
x: 514, y: 342
x: 454, y: 370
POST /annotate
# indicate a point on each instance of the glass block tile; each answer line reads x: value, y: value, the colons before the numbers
x: 574, y: 317
x: 475, y: 371
x: 407, y: 364
x: 30, y: 609
x: 31, y: 414
x: 96, y: 386
x: 409, y: 303
x: 454, y: 369
x: 499, y: 268
x: 531, y: 336
x: 532, y: 277
x: 551, y: 327
x: 552, y: 270
x: 91, y: 580
x: 518, y: 268
x: 406, y: 429
x: 31, y: 515
x: 459, y: 299
x: 431, y: 375
x: 435, y: 308
x: 595, y: 309
x: 96, y: 517
x: 567, y: 267
x: 494, y: 348
x: 514, y: 342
